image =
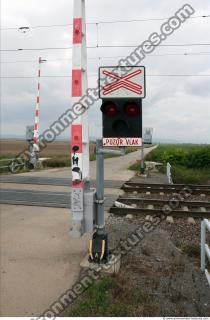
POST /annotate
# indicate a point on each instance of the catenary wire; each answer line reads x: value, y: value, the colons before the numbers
x: 101, y: 22
x: 96, y: 75
x: 105, y: 46
x: 114, y: 57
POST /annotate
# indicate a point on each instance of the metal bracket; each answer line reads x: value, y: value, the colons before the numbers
x: 99, y: 201
x: 110, y: 151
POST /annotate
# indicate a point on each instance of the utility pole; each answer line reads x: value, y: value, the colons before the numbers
x: 79, y: 128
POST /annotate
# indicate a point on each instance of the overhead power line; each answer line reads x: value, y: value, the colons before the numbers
x: 147, y: 19
x: 161, y: 45
x: 101, y: 22
x: 96, y: 75
x: 105, y: 46
x: 113, y: 57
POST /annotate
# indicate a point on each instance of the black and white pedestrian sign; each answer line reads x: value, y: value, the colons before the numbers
x: 118, y: 82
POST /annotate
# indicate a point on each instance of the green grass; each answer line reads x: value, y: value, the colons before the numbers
x: 102, y: 299
x: 189, y: 156
x: 5, y: 163
x: 135, y: 166
x: 57, y: 162
x: 113, y: 296
x: 190, y: 163
x: 181, y: 174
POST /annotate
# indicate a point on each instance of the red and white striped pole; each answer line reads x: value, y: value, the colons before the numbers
x: 36, y: 122
x: 79, y: 129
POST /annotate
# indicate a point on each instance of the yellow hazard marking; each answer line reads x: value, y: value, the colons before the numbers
x: 103, y: 249
x: 90, y: 249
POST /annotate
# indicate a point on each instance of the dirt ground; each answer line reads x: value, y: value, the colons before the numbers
x: 160, y: 273
x: 156, y: 278
x: 168, y: 278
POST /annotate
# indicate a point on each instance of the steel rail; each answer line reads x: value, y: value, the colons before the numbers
x: 159, y: 212
x: 132, y: 200
x: 165, y: 186
x: 142, y: 188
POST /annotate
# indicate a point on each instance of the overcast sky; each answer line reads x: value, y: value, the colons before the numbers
x: 178, y: 108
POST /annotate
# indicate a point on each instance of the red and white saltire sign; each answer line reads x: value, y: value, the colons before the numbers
x: 122, y: 142
x: 122, y: 82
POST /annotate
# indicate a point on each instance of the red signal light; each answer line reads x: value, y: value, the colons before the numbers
x: 109, y: 109
x: 132, y: 109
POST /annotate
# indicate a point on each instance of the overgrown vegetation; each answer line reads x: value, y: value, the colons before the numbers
x: 3, y: 165
x: 108, y: 297
x: 5, y: 161
x: 190, y: 163
x: 181, y: 174
x: 57, y: 162
x: 189, y: 156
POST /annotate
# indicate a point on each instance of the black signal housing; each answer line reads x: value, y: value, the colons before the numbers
x: 122, y: 118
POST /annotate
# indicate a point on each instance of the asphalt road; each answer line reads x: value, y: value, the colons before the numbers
x: 50, y: 181
x: 42, y: 198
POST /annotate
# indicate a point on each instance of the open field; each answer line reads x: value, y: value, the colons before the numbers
x: 56, y: 148
x: 12, y: 147
x: 57, y: 151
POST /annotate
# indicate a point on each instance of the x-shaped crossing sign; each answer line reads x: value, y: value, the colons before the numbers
x: 118, y: 82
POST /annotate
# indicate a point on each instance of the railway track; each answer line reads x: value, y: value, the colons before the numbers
x: 164, y: 199
x: 165, y: 188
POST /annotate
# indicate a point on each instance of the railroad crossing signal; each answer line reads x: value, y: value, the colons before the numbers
x: 121, y: 92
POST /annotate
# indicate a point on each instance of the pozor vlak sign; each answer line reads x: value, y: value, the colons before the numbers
x: 122, y: 92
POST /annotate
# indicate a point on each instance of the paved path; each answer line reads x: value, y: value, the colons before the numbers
x: 50, y: 181
x: 39, y: 261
